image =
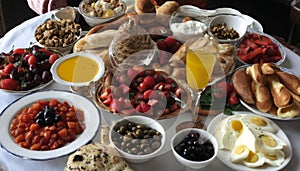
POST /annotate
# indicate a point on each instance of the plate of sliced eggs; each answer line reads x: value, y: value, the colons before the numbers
x: 250, y: 142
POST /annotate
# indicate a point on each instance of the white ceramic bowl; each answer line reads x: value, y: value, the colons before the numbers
x: 147, y: 122
x: 232, y: 21
x: 92, y: 21
x: 56, y: 64
x: 179, y: 136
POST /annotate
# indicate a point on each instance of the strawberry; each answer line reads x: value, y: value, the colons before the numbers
x: 147, y: 94
x: 108, y: 100
x: 138, y: 108
x: 9, y: 84
x: 232, y: 98
x: 125, y: 89
x: 152, y: 102
x: 175, y: 47
x: 149, y: 81
x: 128, y: 111
x: 142, y: 87
x: 131, y: 73
x: 170, y: 41
x: 164, y: 57
x: 114, y: 106
x: 145, y: 107
x: 105, y: 94
x: 162, y: 45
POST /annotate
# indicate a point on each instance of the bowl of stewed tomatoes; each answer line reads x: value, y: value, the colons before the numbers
x: 48, y: 124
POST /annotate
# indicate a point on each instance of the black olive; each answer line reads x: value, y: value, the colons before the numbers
x: 14, y: 74
x: 48, y: 114
x: 40, y: 115
x: 57, y: 118
x: 37, y: 79
x: 41, y: 122
x: 49, y: 121
x: 46, y: 76
x: 28, y: 76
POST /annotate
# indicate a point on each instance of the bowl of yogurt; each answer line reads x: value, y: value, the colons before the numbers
x: 187, y: 22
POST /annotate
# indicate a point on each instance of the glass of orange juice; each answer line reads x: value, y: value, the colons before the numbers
x: 200, y: 62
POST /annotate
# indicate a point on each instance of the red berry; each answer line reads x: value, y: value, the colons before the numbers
x: 9, y: 84
x: 32, y: 60
x: 162, y: 45
x: 170, y: 41
x: 147, y: 94
x: 8, y: 68
x: 53, y: 58
x: 175, y: 47
x: 149, y: 81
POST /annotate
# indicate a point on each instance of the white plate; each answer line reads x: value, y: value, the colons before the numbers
x: 254, y: 109
x: 39, y: 87
x: 223, y: 155
x: 92, y: 122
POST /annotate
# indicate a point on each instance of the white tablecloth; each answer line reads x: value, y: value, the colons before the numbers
x: 22, y: 36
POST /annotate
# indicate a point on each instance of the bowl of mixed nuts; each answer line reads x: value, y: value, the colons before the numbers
x: 227, y: 28
x: 58, y: 35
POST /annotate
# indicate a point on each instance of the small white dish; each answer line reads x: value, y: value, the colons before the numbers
x: 232, y: 21
x: 149, y: 122
x: 179, y: 136
x: 96, y: 58
x: 223, y: 155
x: 91, y: 119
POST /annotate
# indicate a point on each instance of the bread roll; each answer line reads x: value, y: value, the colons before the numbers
x: 144, y: 6
x: 263, y: 99
x: 256, y: 74
x: 242, y: 85
x: 269, y: 68
x: 291, y: 81
x: 282, y: 96
x: 167, y: 8
x: 95, y: 41
x: 289, y: 111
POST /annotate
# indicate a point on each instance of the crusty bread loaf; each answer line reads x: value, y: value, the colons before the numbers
x: 263, y: 99
x: 291, y: 81
x: 167, y: 8
x: 282, y: 96
x: 242, y: 85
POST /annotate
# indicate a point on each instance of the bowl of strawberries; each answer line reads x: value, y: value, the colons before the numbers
x: 138, y: 90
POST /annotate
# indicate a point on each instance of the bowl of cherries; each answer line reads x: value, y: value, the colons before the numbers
x: 24, y: 70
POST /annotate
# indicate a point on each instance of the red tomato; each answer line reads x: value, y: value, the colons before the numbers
x: 233, y: 99
x: 47, y: 52
x: 53, y: 58
x: 221, y: 89
x: 19, y: 51
x: 32, y: 60
x: 9, y: 84
x: 8, y: 68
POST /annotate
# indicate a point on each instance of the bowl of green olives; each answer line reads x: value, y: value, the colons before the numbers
x: 137, y: 138
x: 194, y: 148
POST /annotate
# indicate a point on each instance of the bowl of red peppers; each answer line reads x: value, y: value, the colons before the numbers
x: 258, y: 47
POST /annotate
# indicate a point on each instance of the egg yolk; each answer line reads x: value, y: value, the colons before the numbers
x: 271, y: 157
x: 252, y: 157
x: 240, y: 149
x: 236, y: 125
x: 258, y: 121
x: 269, y: 141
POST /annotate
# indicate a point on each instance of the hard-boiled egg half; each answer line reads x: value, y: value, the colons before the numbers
x: 251, y: 140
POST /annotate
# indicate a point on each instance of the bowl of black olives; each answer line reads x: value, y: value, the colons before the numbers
x: 194, y: 148
x: 137, y: 138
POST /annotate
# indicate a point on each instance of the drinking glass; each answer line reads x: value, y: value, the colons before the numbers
x: 200, y: 61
